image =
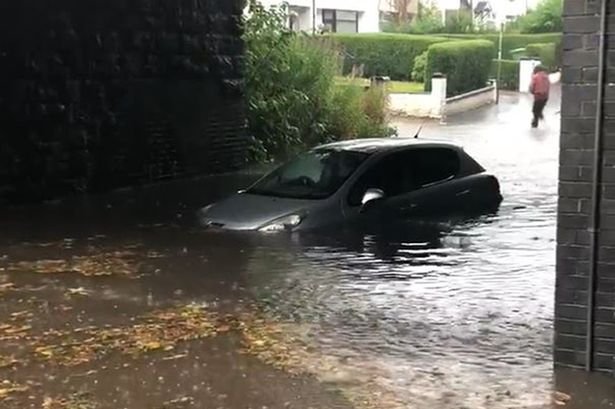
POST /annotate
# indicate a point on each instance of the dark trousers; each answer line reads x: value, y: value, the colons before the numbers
x: 537, y: 110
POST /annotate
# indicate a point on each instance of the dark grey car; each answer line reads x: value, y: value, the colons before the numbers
x: 356, y: 180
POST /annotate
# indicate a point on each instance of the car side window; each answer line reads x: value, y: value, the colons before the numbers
x: 407, y: 171
x: 434, y: 165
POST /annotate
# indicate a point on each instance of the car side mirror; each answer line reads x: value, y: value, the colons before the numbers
x: 370, y: 197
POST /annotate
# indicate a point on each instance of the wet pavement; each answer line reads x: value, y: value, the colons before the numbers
x: 120, y: 301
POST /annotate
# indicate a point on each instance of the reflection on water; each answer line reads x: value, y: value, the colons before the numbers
x: 431, y: 314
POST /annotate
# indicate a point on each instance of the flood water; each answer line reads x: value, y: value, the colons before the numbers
x: 427, y: 315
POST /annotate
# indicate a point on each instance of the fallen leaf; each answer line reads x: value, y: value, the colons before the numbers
x: 174, y: 357
x: 561, y: 398
x: 7, y: 286
x: 47, y: 352
x: 78, y: 291
x: 17, y: 330
x: 151, y: 346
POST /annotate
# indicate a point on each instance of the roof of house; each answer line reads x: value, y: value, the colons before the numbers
x: 483, y: 7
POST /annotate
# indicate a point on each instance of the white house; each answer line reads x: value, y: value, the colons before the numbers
x: 502, y: 10
x: 339, y: 16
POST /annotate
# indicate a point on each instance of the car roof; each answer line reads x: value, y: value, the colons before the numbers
x: 378, y: 145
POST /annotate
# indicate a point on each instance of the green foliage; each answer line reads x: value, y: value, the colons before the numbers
x: 358, y: 112
x: 460, y: 22
x: 466, y: 64
x: 418, y: 69
x: 509, y: 74
x: 546, y: 18
x: 510, y: 41
x: 383, y: 54
x: 293, y: 101
x: 545, y: 52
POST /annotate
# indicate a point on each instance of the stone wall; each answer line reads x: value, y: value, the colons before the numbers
x: 579, y: 93
x: 102, y: 93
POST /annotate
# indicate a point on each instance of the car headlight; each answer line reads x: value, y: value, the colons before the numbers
x: 282, y: 224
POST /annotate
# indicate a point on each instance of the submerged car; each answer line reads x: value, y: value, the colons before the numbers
x: 352, y: 181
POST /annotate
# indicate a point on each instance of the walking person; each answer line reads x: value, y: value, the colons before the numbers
x: 539, y: 88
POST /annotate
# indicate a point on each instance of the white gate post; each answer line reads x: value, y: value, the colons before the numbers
x: 526, y: 70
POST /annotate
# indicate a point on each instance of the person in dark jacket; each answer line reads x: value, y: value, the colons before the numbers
x: 539, y: 88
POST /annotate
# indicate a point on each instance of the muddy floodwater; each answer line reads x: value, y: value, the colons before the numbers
x: 121, y: 301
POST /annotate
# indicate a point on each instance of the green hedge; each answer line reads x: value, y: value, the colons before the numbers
x: 545, y: 52
x: 510, y: 42
x: 384, y: 54
x: 466, y: 64
x: 509, y: 74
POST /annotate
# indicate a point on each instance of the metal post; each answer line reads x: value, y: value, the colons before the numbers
x: 313, y: 17
x: 499, y: 75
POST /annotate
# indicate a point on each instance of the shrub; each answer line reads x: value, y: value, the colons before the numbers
x: 510, y: 41
x: 466, y: 64
x: 292, y: 98
x: 357, y: 112
x: 545, y: 52
x: 459, y: 22
x: 509, y: 74
x: 418, y: 69
x: 383, y: 54
x: 545, y: 18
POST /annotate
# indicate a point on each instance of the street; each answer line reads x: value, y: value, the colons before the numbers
x: 120, y: 301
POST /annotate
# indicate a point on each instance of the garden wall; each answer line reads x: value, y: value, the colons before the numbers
x: 102, y: 93
x: 436, y: 105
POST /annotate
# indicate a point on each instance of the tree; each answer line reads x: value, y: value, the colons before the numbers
x: 545, y: 18
x: 429, y: 19
x: 401, y: 10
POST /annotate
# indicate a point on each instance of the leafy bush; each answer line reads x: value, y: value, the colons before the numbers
x: 545, y: 52
x: 459, y: 22
x: 383, y: 54
x: 509, y: 74
x: 466, y: 64
x: 418, y: 69
x: 292, y: 98
x: 545, y: 18
x: 510, y: 41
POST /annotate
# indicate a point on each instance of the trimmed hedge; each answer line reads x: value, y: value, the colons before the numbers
x: 510, y: 42
x: 384, y: 53
x: 545, y: 52
x: 509, y: 74
x: 466, y: 64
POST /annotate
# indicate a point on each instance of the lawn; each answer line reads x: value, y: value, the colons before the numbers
x: 394, y: 87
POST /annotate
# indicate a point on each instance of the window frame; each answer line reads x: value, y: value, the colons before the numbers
x: 332, y: 20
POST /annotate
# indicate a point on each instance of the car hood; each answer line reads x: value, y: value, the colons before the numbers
x: 245, y: 211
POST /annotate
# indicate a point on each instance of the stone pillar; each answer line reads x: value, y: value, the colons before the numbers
x: 438, y: 93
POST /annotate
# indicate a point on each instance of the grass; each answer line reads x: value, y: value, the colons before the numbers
x: 394, y: 87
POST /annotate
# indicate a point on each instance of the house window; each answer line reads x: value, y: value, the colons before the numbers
x: 340, y: 21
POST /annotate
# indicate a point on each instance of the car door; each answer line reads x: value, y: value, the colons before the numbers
x: 415, y: 181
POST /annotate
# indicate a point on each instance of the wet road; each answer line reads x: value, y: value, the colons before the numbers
x: 429, y: 315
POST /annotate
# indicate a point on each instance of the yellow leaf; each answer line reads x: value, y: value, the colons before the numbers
x: 151, y: 346
x: 47, y: 352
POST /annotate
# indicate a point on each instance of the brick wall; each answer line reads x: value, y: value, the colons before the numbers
x: 580, y: 73
x: 101, y: 93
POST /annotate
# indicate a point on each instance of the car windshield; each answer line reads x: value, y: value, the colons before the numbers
x: 313, y: 175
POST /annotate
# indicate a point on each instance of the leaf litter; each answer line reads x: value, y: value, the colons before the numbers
x: 115, y: 263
